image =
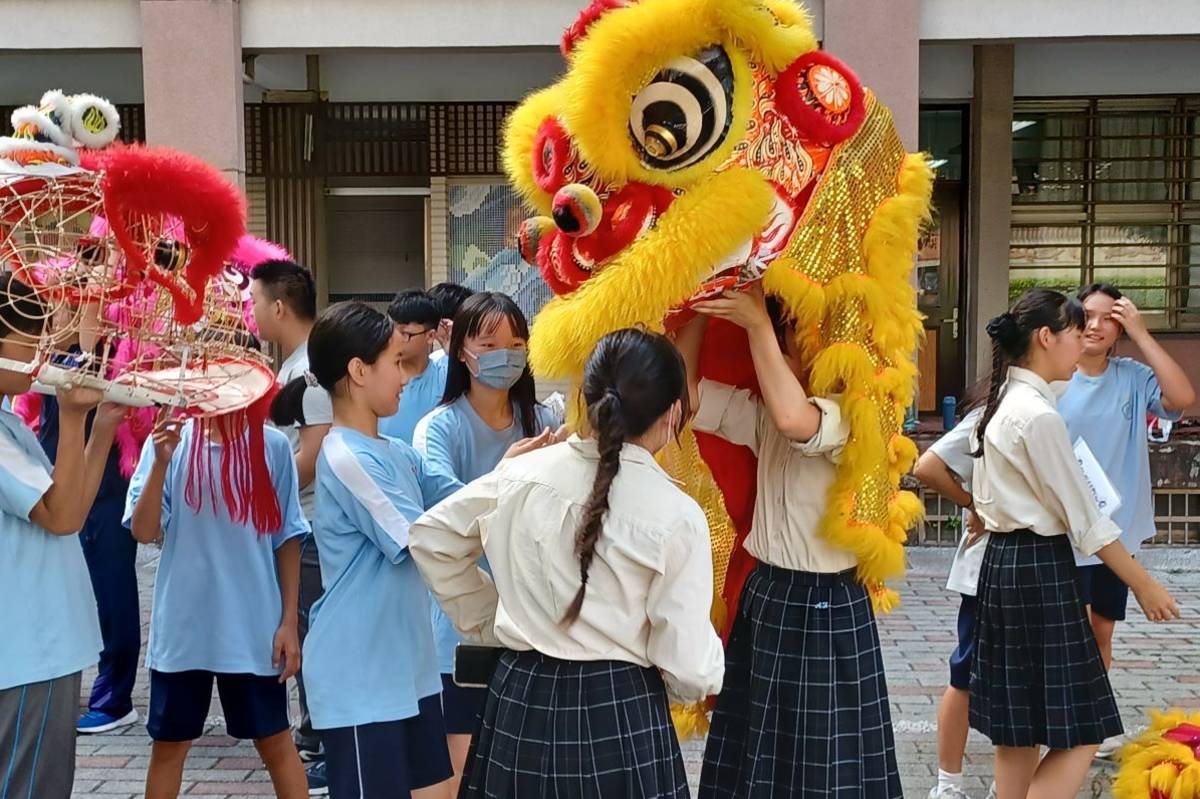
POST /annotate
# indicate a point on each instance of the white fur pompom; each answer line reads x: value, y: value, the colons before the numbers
x: 28, y: 115
x: 94, y: 121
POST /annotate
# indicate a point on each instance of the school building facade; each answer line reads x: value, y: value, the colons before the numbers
x: 1066, y: 138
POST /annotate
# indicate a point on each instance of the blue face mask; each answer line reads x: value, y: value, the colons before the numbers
x: 500, y: 369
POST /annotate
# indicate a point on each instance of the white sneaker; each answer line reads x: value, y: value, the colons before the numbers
x: 992, y: 791
x: 949, y: 792
x: 1110, y: 746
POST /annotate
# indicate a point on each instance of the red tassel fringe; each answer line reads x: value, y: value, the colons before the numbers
x: 246, y: 485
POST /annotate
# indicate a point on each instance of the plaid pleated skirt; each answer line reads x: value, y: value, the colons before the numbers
x: 804, y: 711
x: 1037, y: 678
x: 587, y: 730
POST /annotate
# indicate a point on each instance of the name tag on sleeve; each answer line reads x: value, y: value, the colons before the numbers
x: 1105, y: 494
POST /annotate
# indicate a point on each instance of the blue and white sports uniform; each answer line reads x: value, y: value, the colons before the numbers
x: 369, y: 660
x: 217, y: 601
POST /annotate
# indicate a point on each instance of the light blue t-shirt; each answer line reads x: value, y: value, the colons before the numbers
x: 454, y: 437
x: 1109, y: 413
x: 47, y: 608
x: 217, y: 603
x: 420, y: 396
x: 369, y: 654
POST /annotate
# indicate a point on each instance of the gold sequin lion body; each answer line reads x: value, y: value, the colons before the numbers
x: 699, y: 145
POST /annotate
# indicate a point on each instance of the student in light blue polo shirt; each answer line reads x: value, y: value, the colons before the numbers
x: 1106, y: 404
x: 372, y: 680
x: 417, y: 318
x: 47, y: 609
x: 226, y: 600
x: 488, y: 406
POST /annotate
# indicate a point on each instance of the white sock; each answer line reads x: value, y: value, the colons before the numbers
x: 947, y: 780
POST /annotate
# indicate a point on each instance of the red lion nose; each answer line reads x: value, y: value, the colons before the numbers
x: 577, y: 210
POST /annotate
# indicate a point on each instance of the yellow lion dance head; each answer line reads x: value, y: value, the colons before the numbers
x: 1164, y: 763
x: 700, y: 145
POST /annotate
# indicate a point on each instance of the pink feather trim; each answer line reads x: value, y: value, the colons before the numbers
x: 252, y: 251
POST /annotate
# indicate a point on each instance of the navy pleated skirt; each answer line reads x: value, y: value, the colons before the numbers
x: 1037, y: 678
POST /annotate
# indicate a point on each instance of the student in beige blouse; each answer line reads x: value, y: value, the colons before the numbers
x: 1037, y: 677
x: 601, y: 588
x: 804, y: 712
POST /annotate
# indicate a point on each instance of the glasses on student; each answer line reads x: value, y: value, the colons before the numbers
x: 408, y: 335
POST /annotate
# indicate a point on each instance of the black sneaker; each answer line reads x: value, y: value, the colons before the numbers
x: 318, y: 784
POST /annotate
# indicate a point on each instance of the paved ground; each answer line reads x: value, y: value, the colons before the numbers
x: 1155, y: 667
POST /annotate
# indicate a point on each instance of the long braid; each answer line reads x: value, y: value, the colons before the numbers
x: 999, y: 365
x: 609, y: 427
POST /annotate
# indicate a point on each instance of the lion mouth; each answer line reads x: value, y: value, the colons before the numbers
x: 747, y: 263
x: 567, y: 256
x: 567, y: 261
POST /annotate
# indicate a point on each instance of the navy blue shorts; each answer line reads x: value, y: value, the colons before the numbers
x: 960, y: 658
x: 255, y: 707
x: 1104, y: 591
x: 362, y: 763
x: 461, y: 706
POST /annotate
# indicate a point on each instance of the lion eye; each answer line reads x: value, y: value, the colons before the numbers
x: 684, y: 113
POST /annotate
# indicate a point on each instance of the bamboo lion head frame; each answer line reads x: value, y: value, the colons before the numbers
x: 130, y: 251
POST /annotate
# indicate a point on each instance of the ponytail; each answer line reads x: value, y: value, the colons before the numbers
x: 605, y: 419
x: 995, y: 381
x: 288, y: 407
x: 632, y: 378
x: 1012, y: 332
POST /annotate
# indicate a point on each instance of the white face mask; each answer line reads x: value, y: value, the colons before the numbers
x: 672, y: 427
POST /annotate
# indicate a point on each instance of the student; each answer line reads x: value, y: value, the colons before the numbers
x: 225, y: 601
x: 1037, y: 677
x: 602, y: 582
x: 111, y: 555
x: 449, y: 298
x: 285, y: 306
x: 417, y: 318
x: 47, y: 609
x: 488, y: 406
x: 1106, y: 406
x: 804, y: 670
x: 373, y: 685
x: 946, y: 467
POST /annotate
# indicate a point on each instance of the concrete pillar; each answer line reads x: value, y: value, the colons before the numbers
x: 881, y: 42
x: 192, y: 76
x: 990, y: 202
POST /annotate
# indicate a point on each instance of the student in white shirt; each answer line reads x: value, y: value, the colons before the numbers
x: 946, y: 467
x: 805, y: 708
x: 1037, y: 677
x: 600, y: 590
x: 285, y: 307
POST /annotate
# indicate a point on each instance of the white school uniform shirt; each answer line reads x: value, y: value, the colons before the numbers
x: 793, y: 477
x: 650, y: 584
x: 317, y: 408
x: 457, y: 440
x: 1029, y: 477
x: 47, y: 608
x: 954, y: 449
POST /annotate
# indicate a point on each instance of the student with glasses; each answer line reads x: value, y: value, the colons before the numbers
x: 417, y: 317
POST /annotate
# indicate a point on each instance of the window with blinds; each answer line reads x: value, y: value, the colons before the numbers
x: 1108, y: 190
